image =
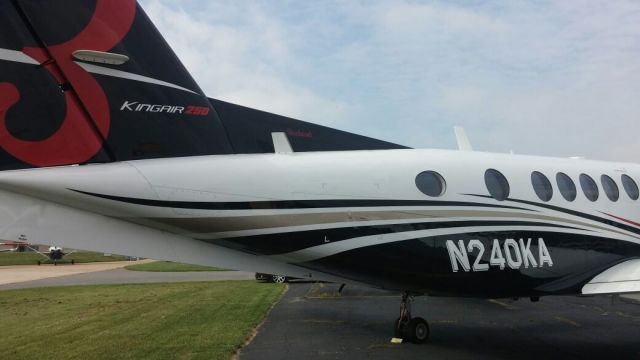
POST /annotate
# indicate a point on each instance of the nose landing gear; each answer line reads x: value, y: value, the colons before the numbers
x: 408, y: 328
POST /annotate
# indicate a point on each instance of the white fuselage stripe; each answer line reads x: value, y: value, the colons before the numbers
x: 95, y: 69
x: 320, y: 226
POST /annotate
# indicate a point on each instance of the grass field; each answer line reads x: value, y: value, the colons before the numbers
x: 31, y: 258
x: 151, y: 321
x: 169, y: 266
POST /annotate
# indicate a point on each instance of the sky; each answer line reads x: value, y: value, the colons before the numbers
x: 552, y: 78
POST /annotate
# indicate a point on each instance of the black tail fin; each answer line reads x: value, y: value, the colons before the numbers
x: 85, y: 81
x: 94, y: 81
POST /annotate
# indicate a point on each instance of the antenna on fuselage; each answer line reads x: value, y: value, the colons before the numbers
x: 461, y: 137
x: 281, y: 143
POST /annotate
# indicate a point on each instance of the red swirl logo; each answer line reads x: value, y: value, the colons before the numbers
x: 87, y: 108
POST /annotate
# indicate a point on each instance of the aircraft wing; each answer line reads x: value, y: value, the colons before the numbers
x: 621, y: 278
x: 46, y: 221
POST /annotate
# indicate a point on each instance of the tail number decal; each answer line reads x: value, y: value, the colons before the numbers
x: 510, y: 254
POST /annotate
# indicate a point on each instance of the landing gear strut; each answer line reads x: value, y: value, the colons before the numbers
x: 407, y: 328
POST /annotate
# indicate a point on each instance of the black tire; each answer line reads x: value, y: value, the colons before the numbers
x: 38, y: 262
x: 279, y: 279
x: 417, y: 331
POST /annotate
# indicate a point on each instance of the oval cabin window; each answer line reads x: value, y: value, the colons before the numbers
x: 431, y: 183
x: 589, y: 187
x: 542, y: 186
x: 630, y: 187
x: 497, y: 184
x: 610, y: 188
x: 566, y: 186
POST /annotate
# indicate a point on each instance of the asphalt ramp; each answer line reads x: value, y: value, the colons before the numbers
x: 316, y: 321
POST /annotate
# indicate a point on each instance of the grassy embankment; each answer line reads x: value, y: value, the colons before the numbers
x: 169, y: 266
x: 150, y: 321
x: 32, y: 258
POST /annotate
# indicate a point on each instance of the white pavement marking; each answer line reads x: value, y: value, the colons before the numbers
x: 21, y: 273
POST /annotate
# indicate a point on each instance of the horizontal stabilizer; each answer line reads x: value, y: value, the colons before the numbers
x: 250, y: 130
x: 621, y: 278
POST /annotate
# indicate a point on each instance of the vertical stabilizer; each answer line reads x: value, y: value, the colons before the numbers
x: 94, y: 81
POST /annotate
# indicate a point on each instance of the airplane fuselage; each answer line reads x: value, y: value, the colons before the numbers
x: 359, y: 216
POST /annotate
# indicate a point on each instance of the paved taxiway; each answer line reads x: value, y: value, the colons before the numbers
x: 313, y: 322
x: 66, y: 275
x: 27, y: 273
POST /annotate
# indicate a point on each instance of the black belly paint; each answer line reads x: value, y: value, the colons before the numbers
x: 424, y: 265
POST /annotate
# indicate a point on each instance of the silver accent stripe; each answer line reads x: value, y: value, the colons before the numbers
x: 215, y: 221
x: 95, y: 69
x: 329, y: 226
x: 256, y: 225
x: 16, y: 56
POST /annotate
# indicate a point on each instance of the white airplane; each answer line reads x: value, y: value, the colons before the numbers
x: 11, y: 246
x: 109, y: 145
x: 54, y: 254
x: 8, y: 249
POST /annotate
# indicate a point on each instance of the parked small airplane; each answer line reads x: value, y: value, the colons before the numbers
x: 13, y: 246
x: 108, y: 144
x: 8, y: 249
x: 55, y: 254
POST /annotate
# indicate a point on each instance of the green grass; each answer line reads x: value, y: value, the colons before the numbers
x: 149, y: 321
x: 31, y: 258
x: 169, y: 266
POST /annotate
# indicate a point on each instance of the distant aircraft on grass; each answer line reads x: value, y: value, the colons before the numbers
x: 7, y: 249
x: 54, y: 253
x: 14, y: 246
